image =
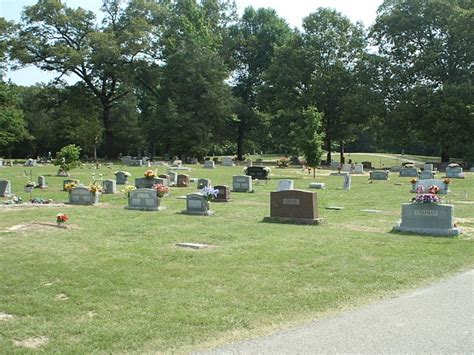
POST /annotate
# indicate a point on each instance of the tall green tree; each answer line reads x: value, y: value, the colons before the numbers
x: 12, y: 123
x: 429, y: 46
x: 193, y: 103
x: 255, y: 38
x: 55, y: 37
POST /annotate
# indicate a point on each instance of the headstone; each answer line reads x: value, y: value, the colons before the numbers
x: 443, y: 188
x: 378, y: 175
x: 395, y: 169
x: 367, y: 164
x: 317, y: 185
x: 42, y: 182
x: 197, y: 204
x: 121, y: 177
x: 147, y: 183
x: 126, y: 159
x: 82, y: 196
x: 285, y: 185
x: 209, y: 164
x: 183, y: 180
x: 202, y: 183
x: 109, y: 187
x: 428, y: 218
x: 227, y: 161
x: 30, y: 162
x: 257, y: 172
x: 335, y: 165
x: 1, y: 163
x: 295, y: 206
x: 223, y: 194
x: 249, y: 163
x: 408, y: 172
x: 358, y: 169
x: 426, y: 174
x: 5, y: 188
x: 428, y: 167
x: 454, y: 173
x: 143, y: 199
x: 346, y: 185
x: 173, y: 178
x: 241, y: 183
x: 177, y: 164
x: 259, y: 161
x: 471, y: 169
x: 346, y: 168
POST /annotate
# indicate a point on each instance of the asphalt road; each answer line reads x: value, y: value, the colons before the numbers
x: 438, y: 319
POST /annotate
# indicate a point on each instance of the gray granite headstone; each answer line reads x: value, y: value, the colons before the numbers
x: 454, y: 173
x: 227, y: 161
x: 428, y: 167
x: 202, y: 183
x: 5, y: 188
x: 109, y: 187
x: 82, y: 196
x: 147, y: 183
x: 197, y: 204
x: 209, y: 164
x: 408, y: 172
x: 173, y: 178
x: 42, y: 182
x: 358, y: 169
x: 317, y: 185
x: 249, y: 163
x: 121, y: 178
x: 285, y: 185
x: 143, y: 199
x: 242, y: 183
x: 428, y: 218
x: 379, y: 175
x: 346, y: 185
x: 426, y: 174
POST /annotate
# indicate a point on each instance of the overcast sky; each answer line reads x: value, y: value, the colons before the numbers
x: 292, y: 10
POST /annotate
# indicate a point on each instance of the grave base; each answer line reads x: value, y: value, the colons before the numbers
x: 293, y: 220
x: 251, y: 191
x: 223, y: 200
x: 159, y: 208
x: 198, y: 213
x: 453, y: 232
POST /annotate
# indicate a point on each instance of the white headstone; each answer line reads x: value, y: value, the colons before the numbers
x: 285, y: 185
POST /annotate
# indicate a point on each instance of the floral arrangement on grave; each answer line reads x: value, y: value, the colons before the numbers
x: 430, y: 197
x: 127, y: 189
x: 160, y: 189
x: 453, y: 165
x: 150, y: 174
x: 30, y: 184
x: 61, y: 218
x: 69, y: 186
x: 413, y: 183
x: 282, y: 162
x: 125, y: 173
x: 67, y: 158
x: 209, y: 193
x: 447, y: 181
x: 95, y: 188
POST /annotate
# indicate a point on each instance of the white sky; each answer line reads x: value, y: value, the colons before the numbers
x: 292, y: 10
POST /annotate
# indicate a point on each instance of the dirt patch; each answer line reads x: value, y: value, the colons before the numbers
x: 31, y: 343
x: 24, y: 206
x: 5, y: 316
x: 62, y: 297
x: 39, y: 226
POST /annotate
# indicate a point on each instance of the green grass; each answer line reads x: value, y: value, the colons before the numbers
x: 130, y: 289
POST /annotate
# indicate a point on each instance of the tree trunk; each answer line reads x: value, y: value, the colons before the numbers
x: 444, y: 155
x: 328, y: 148
x: 240, y: 142
x: 342, y: 153
x: 109, y: 136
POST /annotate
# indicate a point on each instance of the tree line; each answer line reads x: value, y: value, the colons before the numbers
x: 192, y: 78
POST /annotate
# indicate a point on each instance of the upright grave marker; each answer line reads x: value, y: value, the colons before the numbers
x: 223, y: 194
x: 197, y: 204
x: 5, y: 188
x: 294, y: 206
x: 143, y: 199
x: 241, y: 183
x: 81, y: 195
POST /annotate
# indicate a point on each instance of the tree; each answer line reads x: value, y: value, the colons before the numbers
x: 310, y: 140
x: 57, y: 38
x: 192, y: 102
x: 429, y: 46
x: 254, y: 39
x: 68, y: 158
x: 12, y: 123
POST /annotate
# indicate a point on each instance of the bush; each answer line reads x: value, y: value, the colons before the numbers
x: 68, y: 158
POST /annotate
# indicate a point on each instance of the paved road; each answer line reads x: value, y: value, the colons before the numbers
x: 438, y: 319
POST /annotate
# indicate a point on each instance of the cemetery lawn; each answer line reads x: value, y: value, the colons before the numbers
x: 114, y: 281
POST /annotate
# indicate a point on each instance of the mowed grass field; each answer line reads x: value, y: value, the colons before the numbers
x: 115, y: 282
